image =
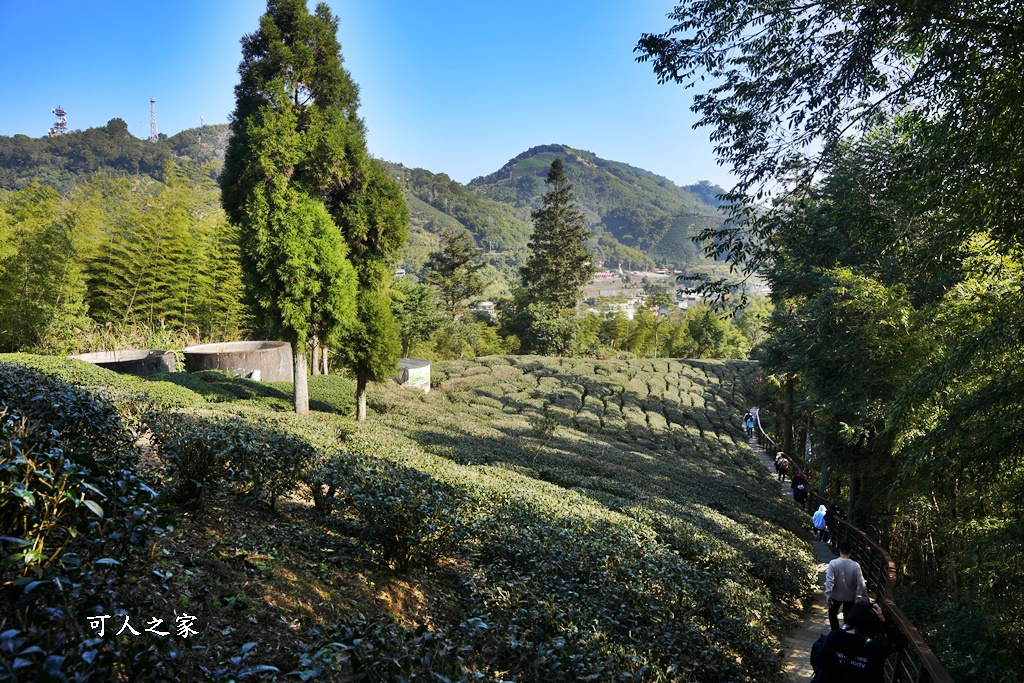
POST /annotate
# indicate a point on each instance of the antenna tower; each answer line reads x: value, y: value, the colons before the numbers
x: 61, y: 126
x: 153, y: 136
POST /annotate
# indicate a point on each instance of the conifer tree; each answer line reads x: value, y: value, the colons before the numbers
x: 553, y: 277
x: 453, y: 271
x: 296, y: 142
x: 375, y: 221
x: 559, y: 263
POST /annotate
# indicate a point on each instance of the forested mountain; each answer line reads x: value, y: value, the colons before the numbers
x: 495, y: 225
x: 66, y: 160
x: 636, y: 207
x: 636, y: 217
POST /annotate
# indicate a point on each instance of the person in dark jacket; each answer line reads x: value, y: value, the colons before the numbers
x: 856, y: 652
x: 799, y: 485
x: 833, y: 513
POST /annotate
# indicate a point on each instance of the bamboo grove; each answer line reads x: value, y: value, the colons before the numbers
x: 118, y: 261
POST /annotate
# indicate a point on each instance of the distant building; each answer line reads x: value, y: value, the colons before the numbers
x: 684, y: 300
x: 486, y: 307
x: 626, y: 308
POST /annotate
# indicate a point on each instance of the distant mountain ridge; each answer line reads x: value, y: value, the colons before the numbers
x: 65, y: 160
x: 636, y: 216
x: 637, y: 208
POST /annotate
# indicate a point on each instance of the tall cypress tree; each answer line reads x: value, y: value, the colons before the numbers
x: 375, y: 222
x: 553, y: 277
x: 296, y: 142
x: 559, y: 263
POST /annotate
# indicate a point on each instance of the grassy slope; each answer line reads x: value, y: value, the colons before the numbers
x: 639, y: 534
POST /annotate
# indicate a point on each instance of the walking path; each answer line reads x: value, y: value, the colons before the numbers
x: 814, y: 620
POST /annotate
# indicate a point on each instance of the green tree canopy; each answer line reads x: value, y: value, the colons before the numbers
x: 559, y: 263
x: 375, y: 224
x: 792, y: 79
x: 42, y: 288
x: 296, y: 150
x: 454, y: 271
x: 414, y: 307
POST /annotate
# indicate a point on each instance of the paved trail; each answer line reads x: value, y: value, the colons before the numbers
x: 814, y: 620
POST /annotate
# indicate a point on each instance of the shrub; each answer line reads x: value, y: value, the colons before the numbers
x: 73, y: 521
x: 332, y: 394
x: 125, y: 390
x: 411, y: 518
x: 252, y: 452
x: 217, y: 386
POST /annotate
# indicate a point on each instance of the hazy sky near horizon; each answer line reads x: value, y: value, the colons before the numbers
x: 456, y: 86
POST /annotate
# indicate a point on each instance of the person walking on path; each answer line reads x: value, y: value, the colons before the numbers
x: 844, y: 581
x: 783, y: 465
x: 831, y: 515
x: 799, y: 485
x: 818, y: 521
x: 748, y: 422
x: 856, y: 653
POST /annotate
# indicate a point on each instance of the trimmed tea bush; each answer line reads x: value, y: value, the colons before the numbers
x: 74, y: 524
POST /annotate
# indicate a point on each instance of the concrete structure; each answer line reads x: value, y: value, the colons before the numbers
x: 486, y: 307
x: 687, y: 300
x: 414, y: 372
x: 140, y: 363
x: 272, y: 359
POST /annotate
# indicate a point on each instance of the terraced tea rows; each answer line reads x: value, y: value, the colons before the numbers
x: 620, y: 451
x: 687, y: 408
x: 528, y: 519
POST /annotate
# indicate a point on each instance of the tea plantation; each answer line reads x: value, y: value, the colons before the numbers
x: 529, y: 519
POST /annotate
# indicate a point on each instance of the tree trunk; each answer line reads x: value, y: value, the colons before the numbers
x: 857, y: 514
x: 316, y: 356
x: 856, y: 505
x: 324, y: 355
x: 808, y: 451
x: 787, y: 417
x: 823, y: 483
x: 360, y: 399
x: 299, y: 381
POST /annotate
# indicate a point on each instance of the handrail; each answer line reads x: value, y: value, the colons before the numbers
x: 762, y: 438
x: 916, y: 663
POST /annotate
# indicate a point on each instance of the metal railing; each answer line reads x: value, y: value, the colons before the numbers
x: 763, y: 439
x: 916, y: 663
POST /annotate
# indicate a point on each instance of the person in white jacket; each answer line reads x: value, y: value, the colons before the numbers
x: 844, y: 581
x: 818, y: 521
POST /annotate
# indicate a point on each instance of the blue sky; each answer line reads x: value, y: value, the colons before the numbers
x: 453, y: 86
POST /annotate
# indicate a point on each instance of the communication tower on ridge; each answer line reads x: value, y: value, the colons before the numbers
x: 153, y: 136
x: 61, y: 126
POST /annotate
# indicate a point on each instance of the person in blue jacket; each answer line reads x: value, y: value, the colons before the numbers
x: 748, y: 422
